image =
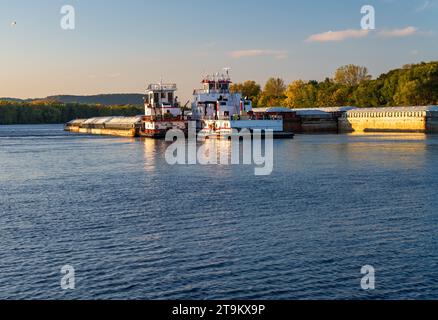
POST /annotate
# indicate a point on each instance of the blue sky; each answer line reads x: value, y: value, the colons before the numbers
x: 120, y: 46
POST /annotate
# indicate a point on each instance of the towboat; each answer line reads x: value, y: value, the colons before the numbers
x: 221, y: 113
x: 163, y: 112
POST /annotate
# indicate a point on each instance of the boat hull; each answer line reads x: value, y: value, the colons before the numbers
x: 229, y: 136
x: 225, y: 129
x: 156, y: 129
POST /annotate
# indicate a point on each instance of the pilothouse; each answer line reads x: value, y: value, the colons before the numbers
x: 215, y: 101
x: 161, y: 101
x: 163, y: 112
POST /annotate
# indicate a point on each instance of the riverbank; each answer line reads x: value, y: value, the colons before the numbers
x: 48, y: 112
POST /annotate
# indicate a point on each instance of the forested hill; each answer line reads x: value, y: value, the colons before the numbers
x: 100, y: 99
x: 103, y: 99
x: 44, y: 112
x: 61, y: 109
x: 410, y: 85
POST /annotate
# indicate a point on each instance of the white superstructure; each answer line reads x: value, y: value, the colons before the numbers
x: 215, y: 101
x: 222, y: 113
x: 161, y: 101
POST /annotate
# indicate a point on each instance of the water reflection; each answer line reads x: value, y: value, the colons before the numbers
x: 390, y: 136
x: 151, y: 150
x: 215, y: 151
x: 395, y: 150
x: 330, y: 152
x: 209, y: 153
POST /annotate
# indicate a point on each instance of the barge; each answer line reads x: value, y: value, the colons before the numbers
x: 113, y: 126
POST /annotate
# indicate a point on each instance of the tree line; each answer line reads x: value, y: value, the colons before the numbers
x: 51, y: 112
x: 351, y: 85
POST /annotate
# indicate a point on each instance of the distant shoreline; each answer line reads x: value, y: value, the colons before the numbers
x: 100, y: 99
x: 52, y: 112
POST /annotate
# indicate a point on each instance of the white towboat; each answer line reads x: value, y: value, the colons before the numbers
x: 163, y: 112
x: 222, y: 113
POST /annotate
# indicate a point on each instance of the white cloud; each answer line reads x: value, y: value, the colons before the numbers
x: 277, y: 54
x: 114, y: 75
x: 398, y: 33
x: 337, y: 36
x: 428, y: 4
x: 423, y: 7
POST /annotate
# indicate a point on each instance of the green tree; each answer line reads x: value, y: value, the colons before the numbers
x: 408, y: 93
x: 367, y: 94
x: 273, y: 93
x: 249, y: 89
x: 351, y: 75
x: 301, y: 95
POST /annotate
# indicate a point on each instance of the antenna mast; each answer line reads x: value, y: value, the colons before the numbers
x: 227, y: 71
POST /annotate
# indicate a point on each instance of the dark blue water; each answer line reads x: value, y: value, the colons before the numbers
x: 135, y: 227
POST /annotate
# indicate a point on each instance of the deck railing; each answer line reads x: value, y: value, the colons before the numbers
x: 166, y: 86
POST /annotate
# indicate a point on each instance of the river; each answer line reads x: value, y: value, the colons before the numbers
x: 135, y: 227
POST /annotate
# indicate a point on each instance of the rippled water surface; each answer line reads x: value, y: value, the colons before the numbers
x: 135, y: 227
